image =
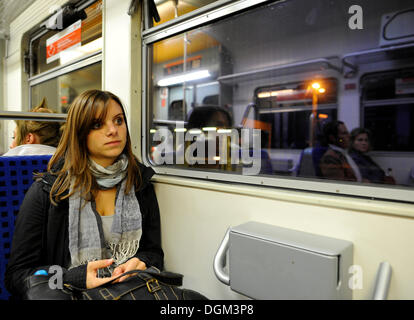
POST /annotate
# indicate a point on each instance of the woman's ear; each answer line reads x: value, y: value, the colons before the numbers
x: 30, y: 138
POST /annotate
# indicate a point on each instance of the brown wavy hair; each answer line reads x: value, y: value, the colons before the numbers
x: 73, y: 152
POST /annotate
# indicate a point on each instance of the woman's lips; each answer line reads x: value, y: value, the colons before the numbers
x: 113, y: 143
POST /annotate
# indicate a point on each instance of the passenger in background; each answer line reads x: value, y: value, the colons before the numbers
x: 359, y: 147
x: 336, y: 164
x: 208, y: 117
x: 35, y: 137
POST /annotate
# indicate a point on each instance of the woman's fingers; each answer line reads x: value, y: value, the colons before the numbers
x: 92, y: 280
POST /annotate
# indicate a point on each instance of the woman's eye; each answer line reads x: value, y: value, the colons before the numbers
x: 96, y: 125
x: 119, y: 121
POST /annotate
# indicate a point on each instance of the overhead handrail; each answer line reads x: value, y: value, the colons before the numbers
x: 283, y: 69
x: 39, y: 116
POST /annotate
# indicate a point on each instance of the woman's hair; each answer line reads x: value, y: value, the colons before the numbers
x: 47, y: 131
x: 356, y: 132
x: 73, y: 152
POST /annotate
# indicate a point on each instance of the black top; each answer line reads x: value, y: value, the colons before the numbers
x: 368, y: 168
x: 41, y: 237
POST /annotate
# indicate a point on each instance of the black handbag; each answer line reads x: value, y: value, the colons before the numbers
x: 149, y: 284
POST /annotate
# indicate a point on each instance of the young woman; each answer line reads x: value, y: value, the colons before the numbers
x: 94, y: 212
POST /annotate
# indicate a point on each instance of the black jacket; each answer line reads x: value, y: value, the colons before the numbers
x: 41, y: 237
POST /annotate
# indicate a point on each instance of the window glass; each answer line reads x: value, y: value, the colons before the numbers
x: 287, y: 89
x: 55, y: 48
x: 388, y: 100
x: 61, y: 91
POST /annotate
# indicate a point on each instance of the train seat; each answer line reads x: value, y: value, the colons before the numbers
x: 16, y: 176
x: 308, y: 165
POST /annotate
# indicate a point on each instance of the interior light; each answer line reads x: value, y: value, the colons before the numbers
x: 191, y: 76
x: 180, y: 130
x: 263, y: 95
x: 209, y: 129
x: 267, y: 94
x: 194, y: 131
x: 316, y: 85
x: 323, y: 116
x: 224, y: 131
x: 322, y: 90
x: 281, y: 92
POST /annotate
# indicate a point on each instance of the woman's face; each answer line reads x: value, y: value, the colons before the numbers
x: 106, y: 140
x: 14, y: 142
x: 361, y: 143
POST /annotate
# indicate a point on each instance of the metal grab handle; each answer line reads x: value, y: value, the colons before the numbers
x: 220, y: 260
x: 382, y: 283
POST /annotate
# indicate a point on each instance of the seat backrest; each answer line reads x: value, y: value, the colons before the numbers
x: 16, y: 176
x: 308, y: 165
x: 317, y: 154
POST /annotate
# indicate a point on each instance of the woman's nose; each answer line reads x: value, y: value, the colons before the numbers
x: 111, y: 129
x: 12, y: 144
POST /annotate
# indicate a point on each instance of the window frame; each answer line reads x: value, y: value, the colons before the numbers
x: 311, y: 186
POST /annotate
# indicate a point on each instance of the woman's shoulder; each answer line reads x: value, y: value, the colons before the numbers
x: 146, y: 174
x: 48, y: 178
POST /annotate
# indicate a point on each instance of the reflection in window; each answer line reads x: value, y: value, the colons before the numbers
x: 278, y: 72
x: 388, y: 100
x: 61, y: 91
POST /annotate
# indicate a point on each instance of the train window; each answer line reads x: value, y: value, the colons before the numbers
x: 388, y: 109
x: 70, y: 41
x: 294, y: 105
x: 62, y: 90
x: 274, y: 92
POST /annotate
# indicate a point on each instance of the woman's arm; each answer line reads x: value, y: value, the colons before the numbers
x: 150, y: 251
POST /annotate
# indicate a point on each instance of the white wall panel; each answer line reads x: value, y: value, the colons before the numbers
x: 194, y: 221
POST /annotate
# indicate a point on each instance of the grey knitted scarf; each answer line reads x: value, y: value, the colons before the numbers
x: 86, y: 239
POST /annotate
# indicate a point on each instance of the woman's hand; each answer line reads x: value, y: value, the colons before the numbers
x: 131, y: 264
x: 92, y: 280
